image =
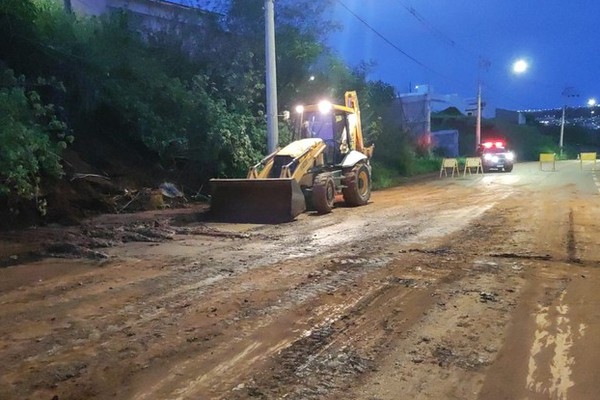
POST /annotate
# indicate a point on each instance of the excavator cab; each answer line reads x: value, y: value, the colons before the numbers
x: 332, y: 128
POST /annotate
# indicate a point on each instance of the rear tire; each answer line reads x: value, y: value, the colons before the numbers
x: 358, y: 186
x: 323, y: 193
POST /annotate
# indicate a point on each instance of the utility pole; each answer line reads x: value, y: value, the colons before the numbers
x: 478, y: 127
x: 483, y: 65
x: 428, y: 117
x: 569, y: 91
x: 272, y: 128
x: 562, y: 130
x: 68, y: 8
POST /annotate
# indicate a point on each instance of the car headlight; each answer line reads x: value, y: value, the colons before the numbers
x: 510, y: 156
x: 487, y: 156
x: 495, y: 159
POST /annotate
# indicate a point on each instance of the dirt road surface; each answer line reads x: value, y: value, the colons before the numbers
x: 455, y: 288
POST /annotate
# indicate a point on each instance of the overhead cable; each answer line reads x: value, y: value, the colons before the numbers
x: 389, y: 42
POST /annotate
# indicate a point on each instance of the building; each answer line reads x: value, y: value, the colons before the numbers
x: 148, y: 15
x: 413, y: 113
x: 445, y: 142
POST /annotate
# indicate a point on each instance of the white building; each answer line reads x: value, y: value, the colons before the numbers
x: 413, y: 110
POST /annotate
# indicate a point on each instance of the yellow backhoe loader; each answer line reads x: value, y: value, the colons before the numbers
x: 328, y: 158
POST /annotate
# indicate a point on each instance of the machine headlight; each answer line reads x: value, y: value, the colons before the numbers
x: 325, y: 106
x: 510, y: 156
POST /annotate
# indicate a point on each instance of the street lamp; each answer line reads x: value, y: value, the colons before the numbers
x: 520, y: 66
x: 483, y: 65
x: 591, y: 104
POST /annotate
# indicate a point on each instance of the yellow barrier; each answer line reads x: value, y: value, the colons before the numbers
x: 587, y: 157
x: 473, y: 162
x: 449, y: 163
x: 546, y: 158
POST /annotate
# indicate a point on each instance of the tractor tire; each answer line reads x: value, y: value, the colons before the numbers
x: 323, y: 193
x: 308, y: 200
x: 358, y: 186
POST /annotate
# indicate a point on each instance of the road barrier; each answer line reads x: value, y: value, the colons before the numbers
x: 547, y: 158
x: 449, y: 163
x: 587, y: 157
x: 473, y: 162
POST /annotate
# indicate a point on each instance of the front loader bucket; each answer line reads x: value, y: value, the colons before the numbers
x: 263, y: 201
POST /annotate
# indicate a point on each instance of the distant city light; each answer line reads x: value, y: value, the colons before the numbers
x: 520, y: 66
x: 591, y: 102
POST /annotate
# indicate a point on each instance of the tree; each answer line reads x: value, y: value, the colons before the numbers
x: 19, y: 44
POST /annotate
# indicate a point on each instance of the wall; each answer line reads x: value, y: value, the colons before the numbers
x: 446, y: 141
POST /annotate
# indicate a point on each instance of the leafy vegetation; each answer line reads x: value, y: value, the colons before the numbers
x: 192, y: 91
x: 31, y: 138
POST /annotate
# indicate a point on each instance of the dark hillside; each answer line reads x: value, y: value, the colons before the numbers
x: 99, y: 112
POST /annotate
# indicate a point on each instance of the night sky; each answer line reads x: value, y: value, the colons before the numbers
x: 559, y: 39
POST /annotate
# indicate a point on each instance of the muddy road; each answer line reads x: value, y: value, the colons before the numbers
x: 469, y: 288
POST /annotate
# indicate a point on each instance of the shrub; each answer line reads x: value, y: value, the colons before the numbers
x: 31, y: 139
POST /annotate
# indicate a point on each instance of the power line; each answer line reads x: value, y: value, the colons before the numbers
x: 385, y: 39
x: 435, y: 31
x: 483, y: 63
x: 426, y: 23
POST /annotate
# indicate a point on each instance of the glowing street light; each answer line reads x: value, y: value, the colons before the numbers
x: 520, y: 66
x: 592, y: 103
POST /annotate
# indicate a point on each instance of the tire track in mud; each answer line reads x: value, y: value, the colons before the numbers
x: 250, y: 329
x: 571, y: 245
x: 328, y: 356
x: 163, y: 304
x: 308, y: 292
x: 328, y: 361
x: 144, y: 317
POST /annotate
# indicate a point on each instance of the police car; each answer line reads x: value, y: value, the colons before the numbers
x: 495, y: 156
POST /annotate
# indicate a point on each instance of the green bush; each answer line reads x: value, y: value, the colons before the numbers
x: 31, y: 139
x: 425, y: 165
x: 384, y: 177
